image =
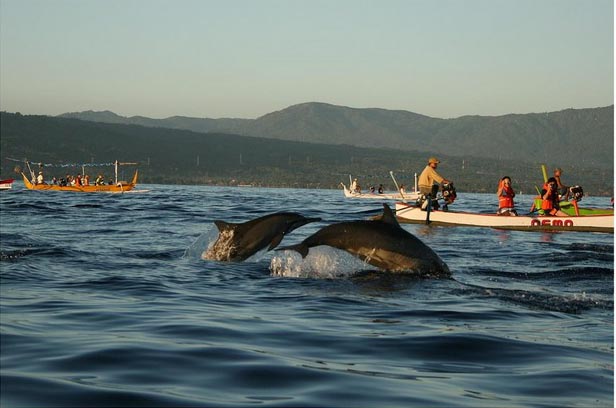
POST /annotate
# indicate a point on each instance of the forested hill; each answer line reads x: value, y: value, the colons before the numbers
x: 581, y: 136
x: 186, y: 157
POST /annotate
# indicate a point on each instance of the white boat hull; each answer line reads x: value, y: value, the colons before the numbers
x: 590, y: 223
x: 412, y: 196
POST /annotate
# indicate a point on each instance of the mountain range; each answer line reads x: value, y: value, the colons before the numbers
x: 581, y: 136
x: 174, y: 156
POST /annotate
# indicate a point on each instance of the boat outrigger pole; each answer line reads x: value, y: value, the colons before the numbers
x: 116, y: 164
x: 391, y: 173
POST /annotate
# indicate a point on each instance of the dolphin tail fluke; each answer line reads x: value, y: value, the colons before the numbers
x: 301, y: 248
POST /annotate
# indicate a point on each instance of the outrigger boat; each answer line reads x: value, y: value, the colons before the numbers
x: 6, y: 184
x: 115, y: 187
x: 377, y: 196
x: 412, y: 195
x: 591, y: 223
x: 577, y: 219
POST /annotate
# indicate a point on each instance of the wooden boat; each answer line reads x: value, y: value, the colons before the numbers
x: 112, y: 187
x: 590, y: 223
x: 411, y: 196
x: 118, y: 187
x: 6, y: 184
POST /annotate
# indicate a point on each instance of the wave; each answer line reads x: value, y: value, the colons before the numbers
x: 80, y: 391
x: 87, y: 206
x: 591, y: 247
x: 572, y: 304
x: 18, y: 254
x: 569, y: 274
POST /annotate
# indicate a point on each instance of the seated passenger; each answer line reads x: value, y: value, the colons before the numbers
x: 550, y: 200
x: 505, y: 195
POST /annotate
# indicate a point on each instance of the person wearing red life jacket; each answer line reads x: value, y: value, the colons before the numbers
x: 505, y: 195
x: 550, y: 200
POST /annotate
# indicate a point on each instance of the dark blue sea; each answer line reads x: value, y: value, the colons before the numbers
x: 106, y: 302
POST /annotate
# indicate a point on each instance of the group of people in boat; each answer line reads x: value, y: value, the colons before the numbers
x: 430, y: 182
x: 71, y: 180
x: 552, y: 193
x: 356, y: 188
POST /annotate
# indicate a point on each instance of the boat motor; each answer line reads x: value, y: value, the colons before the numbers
x: 576, y: 193
x: 449, y: 193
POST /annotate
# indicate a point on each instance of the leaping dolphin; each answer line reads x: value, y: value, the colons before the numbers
x: 382, y: 243
x: 237, y: 242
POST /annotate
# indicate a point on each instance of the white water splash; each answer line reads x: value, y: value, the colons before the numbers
x: 202, y: 243
x: 215, y: 246
x: 221, y: 249
x: 322, y: 262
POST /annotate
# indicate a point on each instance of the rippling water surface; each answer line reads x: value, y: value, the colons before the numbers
x: 105, y: 301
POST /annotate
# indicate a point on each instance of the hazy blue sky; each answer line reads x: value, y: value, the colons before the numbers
x: 232, y: 58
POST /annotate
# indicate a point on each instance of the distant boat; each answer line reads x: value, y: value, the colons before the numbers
x: 377, y: 196
x: 6, y: 184
x: 113, y: 187
x: 401, y: 195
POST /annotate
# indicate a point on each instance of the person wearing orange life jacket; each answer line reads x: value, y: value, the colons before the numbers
x: 505, y: 195
x: 549, y: 199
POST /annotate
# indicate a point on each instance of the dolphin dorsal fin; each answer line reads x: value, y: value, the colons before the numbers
x: 224, y: 226
x: 388, y: 216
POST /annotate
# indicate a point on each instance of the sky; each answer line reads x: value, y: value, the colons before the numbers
x: 247, y: 58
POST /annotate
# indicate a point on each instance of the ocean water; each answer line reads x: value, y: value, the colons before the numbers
x: 106, y: 301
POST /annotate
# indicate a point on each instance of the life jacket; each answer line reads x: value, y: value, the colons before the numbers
x: 505, y: 200
x: 548, y: 204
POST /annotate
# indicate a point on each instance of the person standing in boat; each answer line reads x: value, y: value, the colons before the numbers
x: 505, y: 195
x: 430, y: 180
x: 563, y: 191
x: 550, y: 200
x: 40, y: 179
x: 355, y: 187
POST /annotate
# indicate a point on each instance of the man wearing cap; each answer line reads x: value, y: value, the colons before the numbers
x: 429, y: 179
